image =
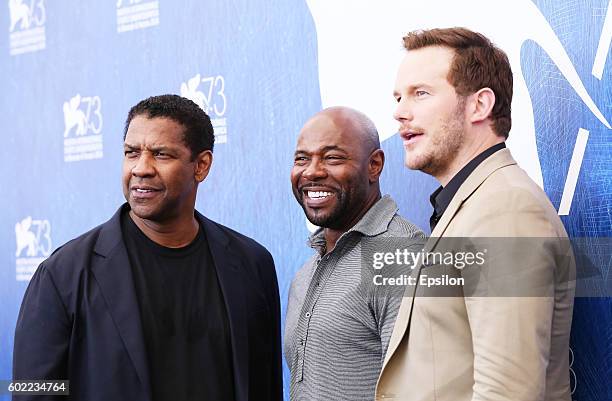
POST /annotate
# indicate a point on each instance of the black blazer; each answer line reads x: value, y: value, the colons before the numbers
x: 79, y: 319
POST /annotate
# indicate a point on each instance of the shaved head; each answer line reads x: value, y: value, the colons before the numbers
x: 355, y: 122
x: 338, y: 162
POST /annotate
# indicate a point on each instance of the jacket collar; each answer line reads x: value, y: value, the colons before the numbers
x: 499, y: 159
x: 114, y: 276
x: 443, y: 196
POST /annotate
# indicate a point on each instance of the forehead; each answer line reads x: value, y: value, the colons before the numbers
x: 156, y: 131
x: 323, y: 131
x: 427, y: 65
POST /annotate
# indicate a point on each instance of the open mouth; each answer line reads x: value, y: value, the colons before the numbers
x: 144, y: 192
x: 318, y: 194
x: 317, y: 198
x: 411, y: 137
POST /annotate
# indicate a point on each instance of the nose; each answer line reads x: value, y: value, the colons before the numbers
x: 144, y: 166
x: 314, y: 170
x: 403, y: 111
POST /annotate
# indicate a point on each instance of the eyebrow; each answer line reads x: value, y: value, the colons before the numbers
x: 151, y: 148
x: 419, y: 85
x: 412, y: 87
x: 323, y: 150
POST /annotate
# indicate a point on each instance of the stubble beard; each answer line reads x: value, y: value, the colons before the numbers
x: 443, y: 146
x: 326, y: 220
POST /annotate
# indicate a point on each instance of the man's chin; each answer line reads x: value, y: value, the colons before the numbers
x: 414, y: 163
x: 143, y: 212
x: 321, y: 220
x: 410, y: 164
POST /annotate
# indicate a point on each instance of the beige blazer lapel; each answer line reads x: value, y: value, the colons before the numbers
x: 499, y: 159
x: 496, y: 161
x: 402, y: 322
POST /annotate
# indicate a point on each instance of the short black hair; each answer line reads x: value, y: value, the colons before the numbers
x: 198, y: 135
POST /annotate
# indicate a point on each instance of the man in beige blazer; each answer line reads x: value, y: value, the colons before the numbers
x: 505, y: 337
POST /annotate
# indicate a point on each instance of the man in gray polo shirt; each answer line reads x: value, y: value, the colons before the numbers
x: 337, y: 329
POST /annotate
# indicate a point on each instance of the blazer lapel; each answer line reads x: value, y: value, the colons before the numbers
x: 499, y: 159
x: 228, y: 266
x: 111, y: 268
x: 404, y: 313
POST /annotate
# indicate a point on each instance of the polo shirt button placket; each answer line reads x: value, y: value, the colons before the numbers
x: 301, y: 351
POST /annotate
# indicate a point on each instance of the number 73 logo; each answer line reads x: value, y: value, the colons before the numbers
x: 210, y: 96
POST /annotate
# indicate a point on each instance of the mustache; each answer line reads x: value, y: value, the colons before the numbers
x: 144, y: 183
x: 406, y: 127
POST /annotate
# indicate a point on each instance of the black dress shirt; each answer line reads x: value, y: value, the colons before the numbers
x: 441, y: 197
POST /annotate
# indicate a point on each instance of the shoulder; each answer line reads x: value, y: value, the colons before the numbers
x: 77, y: 253
x: 513, y: 189
x: 256, y: 261
x: 512, y: 203
x: 239, y: 242
x: 256, y: 269
x: 66, y: 270
x: 400, y: 227
x: 74, y: 253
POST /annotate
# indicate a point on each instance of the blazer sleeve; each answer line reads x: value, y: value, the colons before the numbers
x: 511, y: 304
x: 42, y: 334
x: 272, y: 294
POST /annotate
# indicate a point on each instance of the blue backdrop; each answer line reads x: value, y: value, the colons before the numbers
x: 72, y: 70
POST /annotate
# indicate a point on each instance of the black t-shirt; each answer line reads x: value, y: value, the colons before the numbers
x: 183, y: 316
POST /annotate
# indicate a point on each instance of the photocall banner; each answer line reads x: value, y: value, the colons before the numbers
x: 72, y: 70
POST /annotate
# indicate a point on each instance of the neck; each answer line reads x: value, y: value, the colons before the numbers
x: 332, y: 234
x: 467, y: 153
x: 174, y: 234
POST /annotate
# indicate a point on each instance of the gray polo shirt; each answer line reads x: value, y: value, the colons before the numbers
x: 338, y: 323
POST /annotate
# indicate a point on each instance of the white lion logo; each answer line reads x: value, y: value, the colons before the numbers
x: 74, y: 117
x: 19, y: 12
x: 190, y: 91
x: 25, y: 237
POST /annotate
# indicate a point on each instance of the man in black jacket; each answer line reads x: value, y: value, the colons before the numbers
x: 158, y: 303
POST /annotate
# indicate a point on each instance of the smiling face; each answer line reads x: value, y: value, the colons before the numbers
x: 159, y: 176
x: 431, y: 114
x: 330, y: 175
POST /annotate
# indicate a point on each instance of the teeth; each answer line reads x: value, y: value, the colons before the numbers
x: 318, y: 194
x: 143, y: 190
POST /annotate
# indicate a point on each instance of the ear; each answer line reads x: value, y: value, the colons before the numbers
x: 203, y: 162
x: 375, y: 165
x: 482, y: 105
